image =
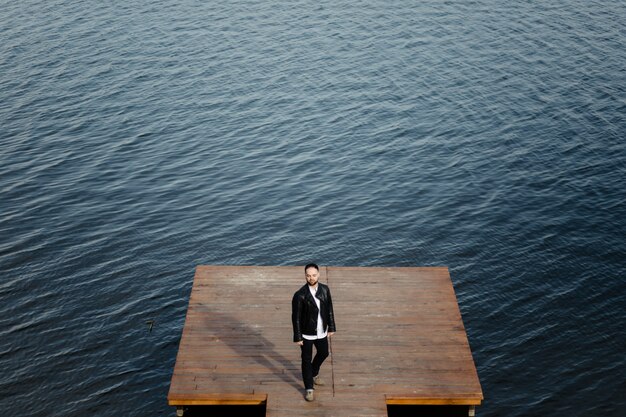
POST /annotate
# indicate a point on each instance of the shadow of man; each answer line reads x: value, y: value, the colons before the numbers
x: 243, y: 339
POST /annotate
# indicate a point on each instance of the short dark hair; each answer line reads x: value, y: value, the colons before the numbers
x: 311, y: 266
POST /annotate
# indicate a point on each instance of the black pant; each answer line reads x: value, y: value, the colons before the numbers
x: 312, y: 368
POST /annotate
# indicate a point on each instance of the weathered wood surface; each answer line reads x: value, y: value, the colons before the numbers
x: 400, y: 340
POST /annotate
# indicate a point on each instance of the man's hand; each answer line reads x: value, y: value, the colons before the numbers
x: 330, y: 334
x: 300, y: 343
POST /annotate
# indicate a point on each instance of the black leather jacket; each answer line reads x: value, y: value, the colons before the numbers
x: 304, y: 311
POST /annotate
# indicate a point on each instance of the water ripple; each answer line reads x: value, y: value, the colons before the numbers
x: 141, y: 139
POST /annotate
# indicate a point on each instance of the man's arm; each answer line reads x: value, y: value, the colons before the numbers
x: 296, y: 307
x: 331, y: 315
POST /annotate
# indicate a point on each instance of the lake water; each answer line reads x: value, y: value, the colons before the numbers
x: 140, y: 139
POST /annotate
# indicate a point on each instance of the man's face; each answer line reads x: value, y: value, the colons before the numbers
x: 312, y: 275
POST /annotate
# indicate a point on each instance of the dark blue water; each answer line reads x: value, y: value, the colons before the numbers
x: 140, y: 139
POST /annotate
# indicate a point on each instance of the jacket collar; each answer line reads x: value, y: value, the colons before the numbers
x: 307, y: 291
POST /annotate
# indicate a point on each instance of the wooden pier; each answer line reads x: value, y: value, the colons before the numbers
x: 400, y: 341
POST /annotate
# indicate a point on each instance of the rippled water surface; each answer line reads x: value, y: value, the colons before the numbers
x: 140, y: 139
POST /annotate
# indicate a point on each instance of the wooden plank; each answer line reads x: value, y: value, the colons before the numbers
x: 400, y: 340
x: 416, y: 400
x: 217, y: 399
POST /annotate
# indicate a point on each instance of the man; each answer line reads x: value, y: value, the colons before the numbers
x: 313, y: 323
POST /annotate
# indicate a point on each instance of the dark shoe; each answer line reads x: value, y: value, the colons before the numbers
x: 309, y: 395
x: 318, y: 381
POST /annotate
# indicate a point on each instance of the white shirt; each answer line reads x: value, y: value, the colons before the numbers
x: 321, y: 331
